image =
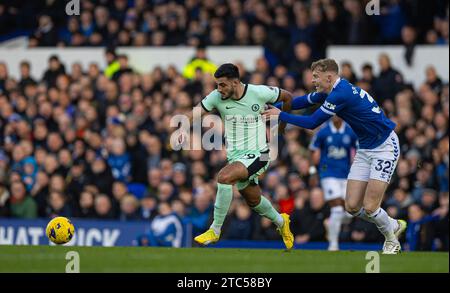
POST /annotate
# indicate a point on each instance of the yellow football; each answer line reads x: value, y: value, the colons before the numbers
x: 60, y: 230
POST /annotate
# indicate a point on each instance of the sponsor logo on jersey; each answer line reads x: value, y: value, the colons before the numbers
x: 330, y: 106
x: 337, y: 152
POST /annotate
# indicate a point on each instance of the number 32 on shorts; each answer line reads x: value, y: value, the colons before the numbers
x: 384, y: 165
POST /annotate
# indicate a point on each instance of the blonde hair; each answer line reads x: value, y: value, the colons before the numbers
x: 325, y: 65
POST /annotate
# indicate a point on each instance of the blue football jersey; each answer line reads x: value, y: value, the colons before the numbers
x: 335, y: 147
x: 356, y: 107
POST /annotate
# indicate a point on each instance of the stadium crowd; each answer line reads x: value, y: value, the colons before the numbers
x: 77, y: 143
x: 94, y: 142
x: 282, y: 27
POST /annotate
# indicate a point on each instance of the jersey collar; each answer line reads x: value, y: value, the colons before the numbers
x: 336, y: 82
x: 245, y: 91
x: 333, y: 128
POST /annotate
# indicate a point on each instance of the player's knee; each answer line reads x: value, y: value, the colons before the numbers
x: 224, y: 178
x: 352, y: 209
x: 371, y: 208
x: 253, y: 202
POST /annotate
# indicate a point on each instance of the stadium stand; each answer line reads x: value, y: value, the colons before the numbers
x: 72, y: 141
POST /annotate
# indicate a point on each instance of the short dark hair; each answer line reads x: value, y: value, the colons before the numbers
x: 53, y: 58
x: 227, y: 70
x: 367, y: 66
x: 325, y: 65
x: 25, y: 64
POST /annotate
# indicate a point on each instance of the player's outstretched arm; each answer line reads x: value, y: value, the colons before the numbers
x: 286, y: 99
x: 302, y: 102
x: 308, y: 122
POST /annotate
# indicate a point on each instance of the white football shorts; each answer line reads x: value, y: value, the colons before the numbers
x: 378, y: 163
x: 333, y: 187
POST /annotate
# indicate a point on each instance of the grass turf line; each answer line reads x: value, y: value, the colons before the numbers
x: 199, y: 260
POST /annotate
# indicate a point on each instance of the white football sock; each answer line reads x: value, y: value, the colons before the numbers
x: 363, y: 215
x: 335, y: 222
x: 383, y: 222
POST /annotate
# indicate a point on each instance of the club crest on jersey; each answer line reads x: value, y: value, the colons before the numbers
x: 346, y: 139
x: 255, y: 107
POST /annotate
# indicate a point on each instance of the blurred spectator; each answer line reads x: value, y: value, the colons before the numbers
x: 361, y: 231
x: 40, y: 192
x: 21, y: 204
x: 359, y: 27
x: 55, y: 68
x: 284, y: 200
x: 302, y: 60
x: 3, y: 77
x: 391, y: 21
x: 129, y: 208
x: 123, y: 67
x: 308, y: 220
x: 86, y: 204
x: 46, y: 33
x: 401, y: 200
x: 389, y: 82
x: 265, y: 230
x: 409, y: 38
x: 347, y: 72
x: 433, y: 80
x: 119, y: 161
x: 240, y: 225
x: 58, y: 206
x: 4, y: 201
x: 25, y: 75
x: 103, y: 207
x: 76, y: 179
x: 166, y: 229
x: 165, y: 192
x: 442, y: 235
x: 199, y: 62
x: 368, y: 79
x: 200, y: 213
x: 100, y: 175
x: 419, y: 234
x: 119, y: 191
x: 148, y: 209
x: 113, y: 64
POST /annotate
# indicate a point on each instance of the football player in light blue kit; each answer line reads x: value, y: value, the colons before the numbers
x: 332, y: 148
x: 378, y: 152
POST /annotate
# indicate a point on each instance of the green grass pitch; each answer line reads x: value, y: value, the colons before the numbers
x: 193, y: 260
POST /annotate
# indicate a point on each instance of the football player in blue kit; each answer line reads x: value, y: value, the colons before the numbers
x: 333, y: 147
x: 378, y: 152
